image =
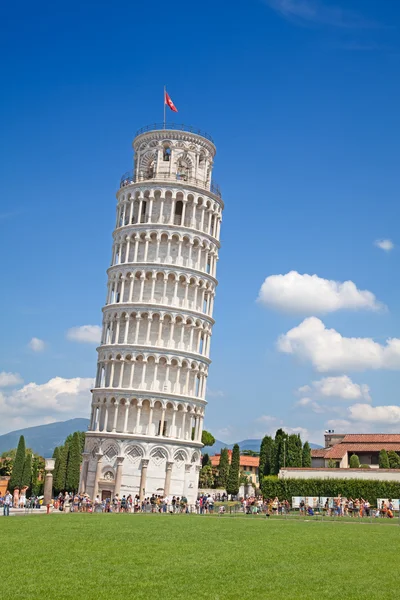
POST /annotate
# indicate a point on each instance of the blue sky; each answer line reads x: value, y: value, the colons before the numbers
x: 301, y: 97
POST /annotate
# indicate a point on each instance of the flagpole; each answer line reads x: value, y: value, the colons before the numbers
x: 164, y: 104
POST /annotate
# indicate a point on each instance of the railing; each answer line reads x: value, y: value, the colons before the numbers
x: 176, y: 127
x: 129, y: 177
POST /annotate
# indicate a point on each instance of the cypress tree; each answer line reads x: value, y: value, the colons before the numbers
x: 394, y: 459
x: 354, y: 462
x: 306, y: 458
x: 59, y: 480
x: 280, y: 451
x: 206, y: 460
x: 26, y: 479
x: 18, y: 467
x: 223, y: 469
x: 35, y: 476
x: 266, y: 456
x: 74, y: 463
x: 383, y: 460
x: 56, y: 456
x: 294, y: 453
x: 232, y: 486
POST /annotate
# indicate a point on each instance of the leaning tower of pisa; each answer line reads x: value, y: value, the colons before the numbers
x: 149, y: 398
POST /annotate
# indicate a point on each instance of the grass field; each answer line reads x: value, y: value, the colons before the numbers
x: 183, y: 557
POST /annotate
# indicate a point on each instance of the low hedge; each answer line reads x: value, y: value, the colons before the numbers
x: 285, y: 489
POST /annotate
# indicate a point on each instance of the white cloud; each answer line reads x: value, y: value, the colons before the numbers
x: 85, y: 334
x: 266, y: 419
x: 341, y: 387
x: 386, y: 245
x: 310, y: 403
x: 365, y: 413
x: 37, y: 345
x: 318, y: 12
x: 10, y: 379
x: 342, y: 424
x: 58, y: 399
x: 304, y: 433
x: 328, y: 350
x: 215, y: 393
x: 310, y: 294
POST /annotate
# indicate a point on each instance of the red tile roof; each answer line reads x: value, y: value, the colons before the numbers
x: 377, y: 438
x: 318, y: 452
x: 245, y: 461
x: 339, y: 450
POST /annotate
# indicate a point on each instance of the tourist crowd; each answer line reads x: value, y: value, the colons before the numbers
x: 205, y: 504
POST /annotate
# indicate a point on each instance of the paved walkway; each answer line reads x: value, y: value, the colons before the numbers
x: 14, y: 512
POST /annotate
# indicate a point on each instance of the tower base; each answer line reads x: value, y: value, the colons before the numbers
x: 140, y: 466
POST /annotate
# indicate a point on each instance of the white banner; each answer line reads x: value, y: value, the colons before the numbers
x: 396, y: 503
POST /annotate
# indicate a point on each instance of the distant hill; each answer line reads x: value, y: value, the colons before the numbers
x: 43, y: 438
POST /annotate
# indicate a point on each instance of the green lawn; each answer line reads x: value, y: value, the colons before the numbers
x: 173, y: 557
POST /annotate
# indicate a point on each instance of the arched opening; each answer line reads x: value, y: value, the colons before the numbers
x: 183, y: 169
x: 167, y: 154
x: 178, y: 212
x: 142, y: 218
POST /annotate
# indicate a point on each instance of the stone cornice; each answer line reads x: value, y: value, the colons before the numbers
x: 158, y: 308
x: 170, y: 228
x: 120, y: 394
x: 151, y: 266
x: 162, y: 135
x: 102, y: 435
x: 174, y: 187
x: 140, y: 349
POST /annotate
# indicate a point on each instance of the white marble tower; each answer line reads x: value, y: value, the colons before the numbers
x: 149, y: 397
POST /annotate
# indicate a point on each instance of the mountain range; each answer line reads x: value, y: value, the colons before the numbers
x: 42, y: 439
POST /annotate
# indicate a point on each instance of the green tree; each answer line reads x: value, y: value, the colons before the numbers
x: 37, y: 468
x: 6, y: 466
x: 206, y: 477
x: 223, y: 469
x: 59, y: 479
x: 306, y: 455
x: 354, y: 462
x: 232, y: 486
x: 331, y: 464
x: 280, y: 451
x: 294, y: 451
x: 205, y: 460
x: 266, y: 456
x: 384, y: 460
x: 26, y: 479
x: 81, y: 436
x: 394, y: 459
x: 18, y: 467
x: 207, y: 439
x: 56, y: 456
x: 73, y: 463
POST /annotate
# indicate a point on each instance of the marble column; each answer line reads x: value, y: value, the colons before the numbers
x: 118, y: 476
x: 143, y: 477
x: 48, y: 482
x: 99, y: 457
x: 168, y: 474
x: 84, y: 472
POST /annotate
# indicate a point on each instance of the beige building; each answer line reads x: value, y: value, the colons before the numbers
x: 340, y: 447
x: 248, y: 465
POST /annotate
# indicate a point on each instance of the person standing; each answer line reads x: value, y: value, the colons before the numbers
x: 8, y: 500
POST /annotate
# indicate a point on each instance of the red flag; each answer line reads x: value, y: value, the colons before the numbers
x: 169, y: 103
